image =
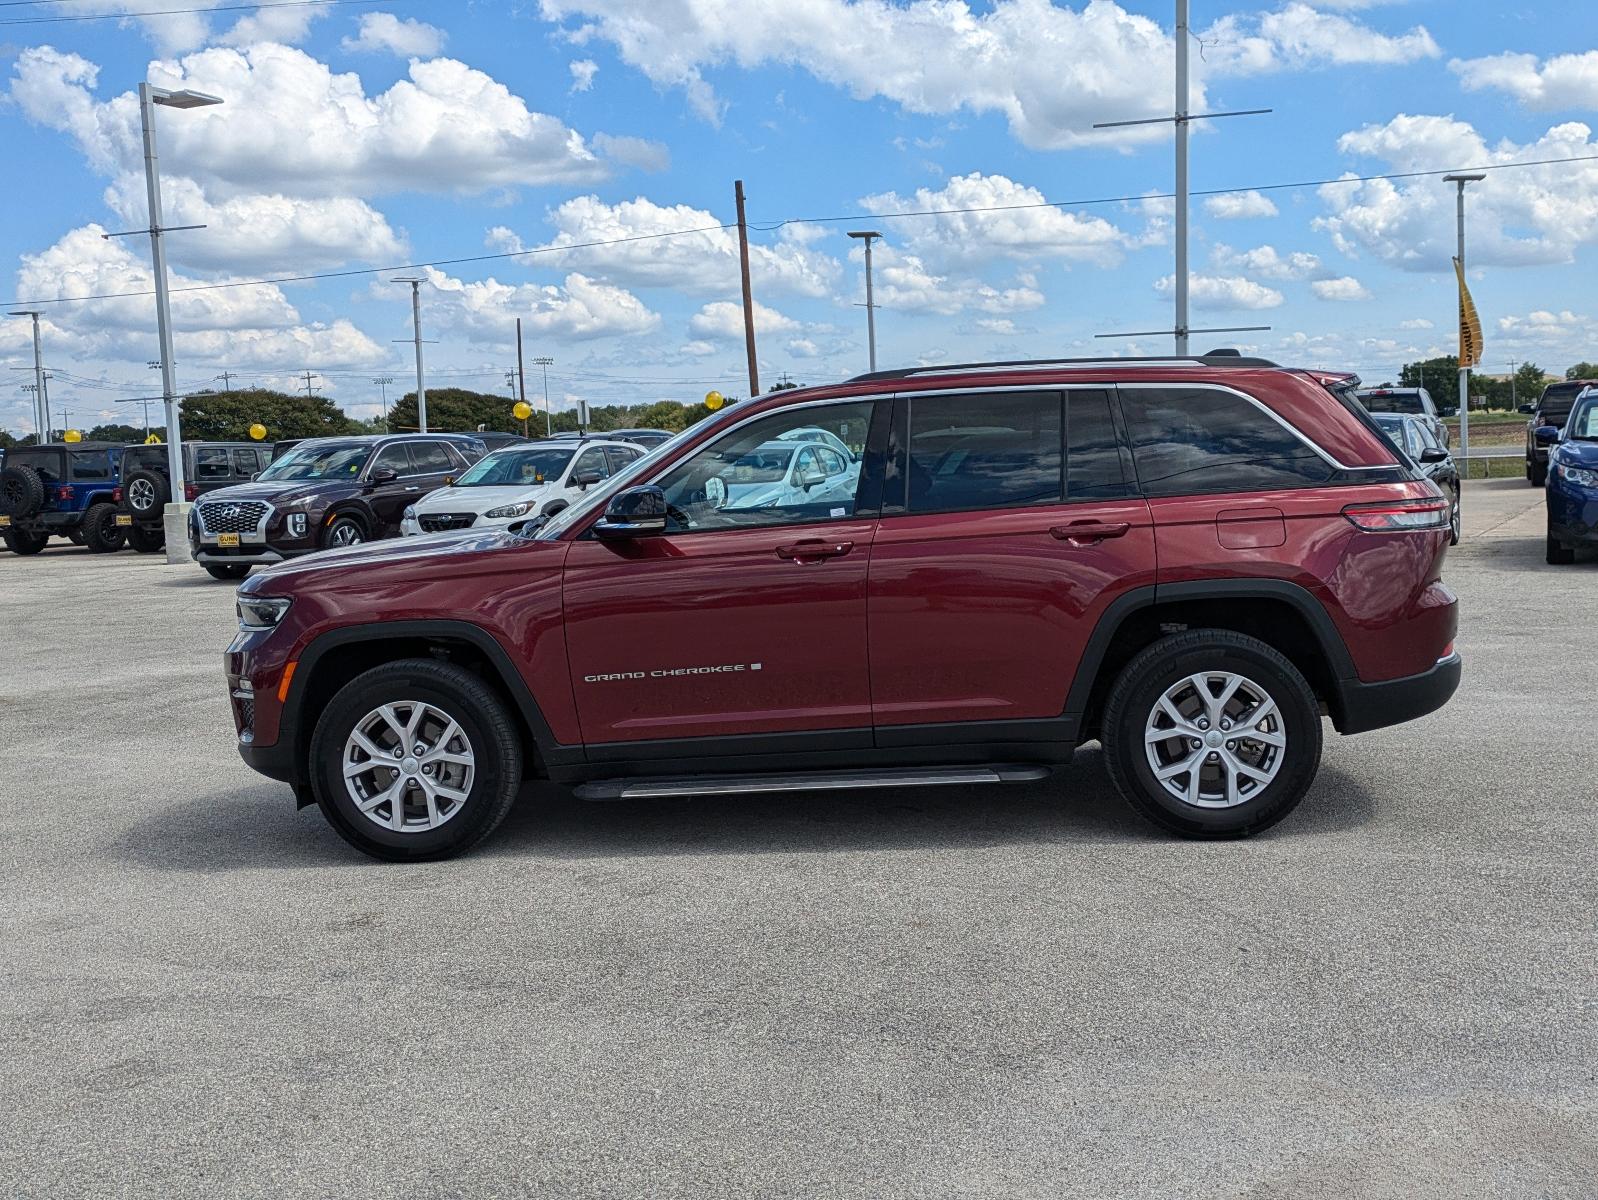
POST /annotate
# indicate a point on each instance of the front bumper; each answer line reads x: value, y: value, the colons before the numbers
x: 1367, y: 706
x: 1572, y: 512
x: 253, y: 555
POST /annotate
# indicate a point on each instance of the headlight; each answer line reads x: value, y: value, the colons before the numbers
x: 261, y: 612
x: 296, y: 524
x: 1581, y: 476
x: 511, y: 510
x: 410, y: 512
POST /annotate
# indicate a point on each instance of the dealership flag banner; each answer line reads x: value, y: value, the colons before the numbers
x: 1469, y: 323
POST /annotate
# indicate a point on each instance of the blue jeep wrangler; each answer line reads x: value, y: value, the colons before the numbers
x: 65, y: 490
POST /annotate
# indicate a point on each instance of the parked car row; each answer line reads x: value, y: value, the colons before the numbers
x: 257, y: 504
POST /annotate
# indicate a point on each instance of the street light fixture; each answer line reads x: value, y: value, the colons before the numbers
x: 868, y: 236
x: 176, y: 515
x: 416, y: 282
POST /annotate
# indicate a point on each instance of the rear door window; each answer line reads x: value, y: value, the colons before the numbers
x: 211, y: 463
x: 620, y: 456
x: 592, y: 460
x: 984, y: 450
x: 90, y: 465
x: 247, y: 462
x: 432, y: 458
x: 1093, y: 464
x: 393, y: 458
x: 1192, y: 441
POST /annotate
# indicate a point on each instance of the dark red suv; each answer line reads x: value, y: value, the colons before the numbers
x: 939, y: 575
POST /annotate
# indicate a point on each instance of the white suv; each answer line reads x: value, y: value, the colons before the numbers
x: 518, y: 482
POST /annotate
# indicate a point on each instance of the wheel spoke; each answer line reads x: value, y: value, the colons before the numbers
x: 396, y: 811
x: 1263, y: 736
x: 449, y: 793
x: 371, y: 802
x: 1172, y: 770
x: 368, y: 745
x: 1180, y: 724
x: 429, y: 794
x: 1243, y: 768
x: 1233, y: 683
x: 1229, y: 769
x: 391, y: 718
x: 1193, y: 785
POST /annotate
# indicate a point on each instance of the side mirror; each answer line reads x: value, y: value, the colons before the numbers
x: 583, y: 479
x: 383, y: 475
x: 810, y: 477
x: 449, y: 481
x: 1433, y: 454
x: 255, y: 476
x: 1547, y: 435
x: 633, y: 513
x: 1528, y: 409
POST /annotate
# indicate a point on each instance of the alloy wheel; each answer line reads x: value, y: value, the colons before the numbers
x: 141, y: 495
x: 1215, y: 739
x: 346, y: 535
x: 408, y: 766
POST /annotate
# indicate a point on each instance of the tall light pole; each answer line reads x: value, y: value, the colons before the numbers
x: 416, y: 282
x: 382, y: 382
x: 868, y: 236
x: 543, y: 360
x: 39, y: 420
x: 1459, y: 181
x: 175, y: 518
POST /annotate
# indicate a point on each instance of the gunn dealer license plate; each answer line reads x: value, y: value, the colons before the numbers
x: 227, y: 539
x: 5, y: 522
x: 124, y: 519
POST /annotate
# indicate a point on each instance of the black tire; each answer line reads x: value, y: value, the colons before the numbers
x: 147, y: 539
x: 19, y: 541
x: 21, y: 491
x: 1559, y: 554
x: 1455, y: 525
x: 492, y: 734
x: 226, y: 571
x: 145, y: 493
x: 1539, y: 474
x: 1166, y: 664
x: 343, y: 530
x: 101, y: 533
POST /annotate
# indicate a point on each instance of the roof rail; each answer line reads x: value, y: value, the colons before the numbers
x: 1216, y: 358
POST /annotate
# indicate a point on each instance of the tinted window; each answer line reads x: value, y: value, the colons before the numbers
x: 592, y: 460
x: 210, y: 463
x: 431, y: 458
x: 247, y: 462
x: 1557, y: 401
x: 984, y: 450
x: 620, y: 456
x: 1194, y: 440
x: 46, y: 462
x: 1092, y: 451
x: 749, y: 477
x: 392, y: 458
x: 90, y: 464
x: 1396, y: 402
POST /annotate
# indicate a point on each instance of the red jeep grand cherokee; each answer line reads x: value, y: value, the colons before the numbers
x: 937, y: 575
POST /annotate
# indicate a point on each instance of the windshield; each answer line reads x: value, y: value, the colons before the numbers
x: 599, y: 496
x: 1394, y: 402
x: 335, y: 460
x: 517, y: 465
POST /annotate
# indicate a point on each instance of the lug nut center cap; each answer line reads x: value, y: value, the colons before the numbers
x: 408, y: 766
x: 1213, y: 739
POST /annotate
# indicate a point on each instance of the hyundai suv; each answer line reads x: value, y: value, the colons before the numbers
x: 1191, y: 561
x: 336, y: 491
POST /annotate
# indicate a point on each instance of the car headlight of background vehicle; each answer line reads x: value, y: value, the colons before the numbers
x: 257, y: 613
x: 296, y: 524
x: 511, y: 510
x: 1581, y: 476
x: 410, y: 513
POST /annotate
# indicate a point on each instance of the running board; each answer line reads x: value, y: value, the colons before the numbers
x: 810, y: 781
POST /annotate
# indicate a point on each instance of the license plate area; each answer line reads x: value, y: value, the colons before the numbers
x: 5, y: 522
x: 227, y: 541
x: 124, y: 519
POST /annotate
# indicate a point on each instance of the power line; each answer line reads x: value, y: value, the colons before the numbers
x: 886, y: 216
x: 61, y: 18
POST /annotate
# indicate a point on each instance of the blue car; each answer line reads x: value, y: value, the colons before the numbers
x: 1572, y: 488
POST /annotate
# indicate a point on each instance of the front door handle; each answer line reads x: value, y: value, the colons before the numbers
x: 413, y: 488
x: 1089, y: 533
x: 814, y: 551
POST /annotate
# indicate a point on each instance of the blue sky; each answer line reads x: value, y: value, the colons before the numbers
x: 360, y: 135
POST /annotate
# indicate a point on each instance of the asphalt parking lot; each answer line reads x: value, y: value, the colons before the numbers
x: 1014, y: 992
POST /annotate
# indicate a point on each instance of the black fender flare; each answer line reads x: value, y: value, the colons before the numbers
x: 1115, y: 615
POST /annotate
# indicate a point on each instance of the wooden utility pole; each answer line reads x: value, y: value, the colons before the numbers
x: 749, y: 300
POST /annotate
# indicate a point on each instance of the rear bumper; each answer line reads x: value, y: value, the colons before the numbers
x: 47, y: 522
x: 1367, y: 706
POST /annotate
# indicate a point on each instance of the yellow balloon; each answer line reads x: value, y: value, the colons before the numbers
x: 257, y: 431
x: 72, y: 435
x: 153, y: 440
x: 522, y: 410
x: 714, y: 400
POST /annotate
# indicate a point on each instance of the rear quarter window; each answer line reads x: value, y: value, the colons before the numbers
x: 90, y: 465
x: 1188, y: 441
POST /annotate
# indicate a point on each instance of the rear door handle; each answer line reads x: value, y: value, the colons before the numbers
x: 413, y: 488
x: 814, y: 551
x: 1089, y: 533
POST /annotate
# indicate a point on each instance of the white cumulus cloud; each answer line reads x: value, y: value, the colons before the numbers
x: 1345, y: 287
x: 1223, y: 292
x: 724, y: 320
x: 579, y: 309
x: 382, y: 32
x: 1266, y: 261
x: 1235, y: 206
x: 1564, y: 81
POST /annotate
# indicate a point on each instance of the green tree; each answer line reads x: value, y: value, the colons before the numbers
x: 114, y: 433
x: 1582, y: 370
x: 1529, y: 383
x: 227, y: 416
x: 456, y: 410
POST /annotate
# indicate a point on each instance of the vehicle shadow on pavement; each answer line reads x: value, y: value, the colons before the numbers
x: 1078, y: 805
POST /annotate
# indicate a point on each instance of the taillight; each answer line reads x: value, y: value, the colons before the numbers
x: 1398, y: 516
x: 190, y: 492
x: 64, y: 493
x: 116, y: 495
